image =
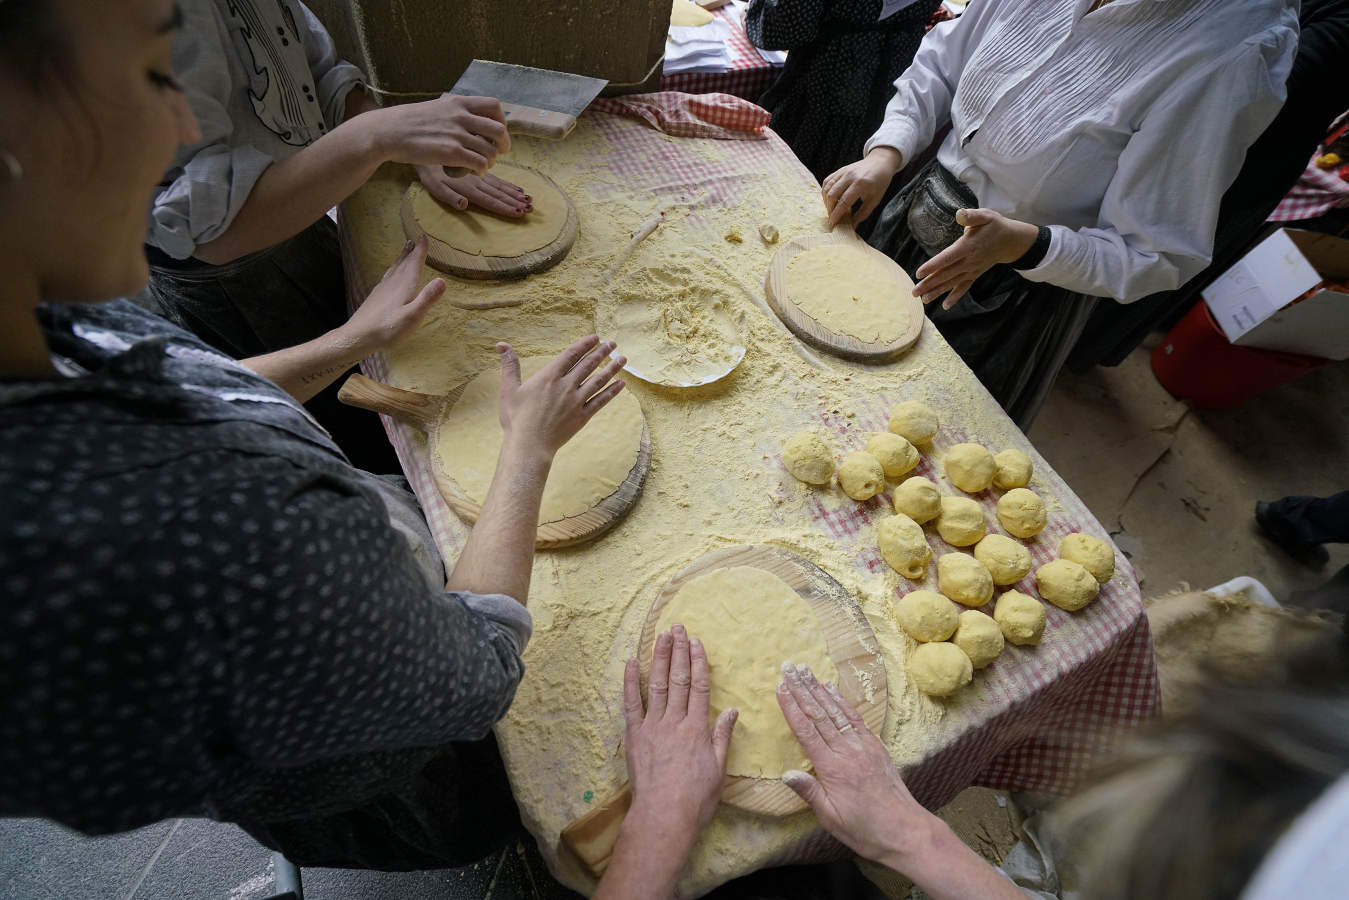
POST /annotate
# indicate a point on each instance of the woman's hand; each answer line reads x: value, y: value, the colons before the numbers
x: 448, y: 131
x: 990, y: 238
x: 856, y: 790
x: 483, y: 191
x: 546, y: 411
x: 395, y: 306
x: 861, y: 182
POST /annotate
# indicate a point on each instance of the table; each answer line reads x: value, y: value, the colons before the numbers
x: 1034, y: 718
x: 748, y: 77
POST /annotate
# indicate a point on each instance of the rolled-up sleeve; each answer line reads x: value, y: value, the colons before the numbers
x: 333, y: 78
x: 1157, y: 221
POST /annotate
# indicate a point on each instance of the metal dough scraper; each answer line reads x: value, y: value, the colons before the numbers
x: 537, y: 102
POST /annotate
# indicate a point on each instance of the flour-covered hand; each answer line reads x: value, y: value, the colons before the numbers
x: 486, y: 192
x: 448, y: 131
x: 396, y: 305
x: 546, y: 411
x: 990, y: 238
x: 853, y: 192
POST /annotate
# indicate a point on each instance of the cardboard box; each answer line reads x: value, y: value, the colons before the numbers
x: 1250, y: 301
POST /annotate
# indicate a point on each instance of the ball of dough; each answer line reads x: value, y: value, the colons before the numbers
x: 961, y: 521
x: 1008, y: 561
x: 970, y: 467
x: 1065, y: 584
x: 1021, y: 617
x: 1091, y: 553
x: 918, y: 499
x: 914, y: 421
x: 897, y: 455
x: 979, y: 636
x: 808, y: 458
x: 926, y: 615
x: 964, y: 579
x: 1014, y: 470
x: 904, y: 546
x: 1022, y: 512
x: 939, y: 669
x: 861, y: 475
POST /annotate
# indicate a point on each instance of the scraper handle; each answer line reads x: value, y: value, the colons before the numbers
x: 539, y: 123
x: 592, y: 837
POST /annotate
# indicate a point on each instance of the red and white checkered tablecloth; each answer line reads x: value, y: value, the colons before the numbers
x: 1317, y: 191
x: 748, y: 75
x: 1042, y: 714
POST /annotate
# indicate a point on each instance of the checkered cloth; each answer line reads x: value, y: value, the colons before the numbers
x: 1044, y: 712
x: 1318, y: 191
x: 720, y: 116
x: 748, y: 76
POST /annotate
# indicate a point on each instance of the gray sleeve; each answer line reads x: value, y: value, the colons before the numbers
x: 333, y: 78
x: 504, y: 612
x: 209, y: 181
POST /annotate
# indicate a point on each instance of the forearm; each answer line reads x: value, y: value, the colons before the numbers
x: 939, y: 863
x: 647, y: 859
x: 499, y: 553
x: 308, y: 368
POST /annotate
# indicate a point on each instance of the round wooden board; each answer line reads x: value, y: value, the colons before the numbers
x: 816, y: 333
x: 852, y: 646
x: 428, y: 411
x: 442, y: 256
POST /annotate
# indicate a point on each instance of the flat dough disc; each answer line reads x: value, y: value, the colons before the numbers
x: 587, y: 469
x: 750, y: 622
x: 484, y: 234
x: 685, y: 13
x: 848, y: 290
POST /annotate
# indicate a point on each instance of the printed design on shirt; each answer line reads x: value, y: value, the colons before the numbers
x: 280, y: 84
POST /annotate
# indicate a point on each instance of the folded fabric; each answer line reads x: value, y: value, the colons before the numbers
x: 718, y: 116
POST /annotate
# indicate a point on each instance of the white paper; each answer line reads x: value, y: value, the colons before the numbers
x: 698, y: 48
x: 1259, y: 284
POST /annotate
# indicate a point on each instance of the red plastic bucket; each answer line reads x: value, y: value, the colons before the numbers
x: 1197, y: 363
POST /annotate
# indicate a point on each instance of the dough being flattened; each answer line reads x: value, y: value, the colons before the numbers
x: 587, y: 469
x: 750, y: 622
x: 481, y: 233
x: 851, y: 291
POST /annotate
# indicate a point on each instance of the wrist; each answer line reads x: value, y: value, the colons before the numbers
x: 525, y: 454
x: 911, y: 841
x: 379, y: 142
x: 886, y: 157
x: 647, y: 825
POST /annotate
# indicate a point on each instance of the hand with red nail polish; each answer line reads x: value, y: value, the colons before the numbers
x: 486, y: 192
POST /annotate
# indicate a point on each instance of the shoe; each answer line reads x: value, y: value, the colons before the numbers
x: 1281, y: 533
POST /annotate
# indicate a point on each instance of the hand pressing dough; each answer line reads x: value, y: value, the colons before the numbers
x: 961, y: 521
x: 896, y: 455
x: 1066, y: 584
x: 979, y: 636
x: 1008, y: 561
x: 939, y: 669
x: 970, y: 467
x: 861, y: 475
x: 1022, y: 512
x: 686, y: 14
x: 964, y: 579
x: 926, y: 616
x: 851, y: 291
x: 1091, y: 553
x: 914, y: 421
x: 587, y: 469
x: 750, y: 622
x: 1014, y: 470
x: 903, y: 546
x: 481, y: 233
x: 808, y: 458
x: 1021, y: 617
x: 918, y: 499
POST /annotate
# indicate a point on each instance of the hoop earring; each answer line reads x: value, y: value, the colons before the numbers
x: 10, y: 165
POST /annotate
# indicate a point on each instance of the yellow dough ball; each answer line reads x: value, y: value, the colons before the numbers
x: 1021, y: 617
x: 1022, y: 512
x: 897, y: 455
x: 914, y: 421
x: 1091, y: 553
x: 1065, y: 584
x: 918, y: 499
x: 1014, y: 470
x: 961, y: 521
x: 1008, y: 561
x: 964, y: 579
x: 939, y: 669
x: 808, y: 458
x: 861, y: 475
x: 904, y: 546
x: 970, y: 467
x: 926, y: 615
x: 979, y: 636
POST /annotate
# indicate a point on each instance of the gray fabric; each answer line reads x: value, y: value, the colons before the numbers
x: 264, y: 81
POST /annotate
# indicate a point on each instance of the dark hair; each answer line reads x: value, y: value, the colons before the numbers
x: 31, y: 43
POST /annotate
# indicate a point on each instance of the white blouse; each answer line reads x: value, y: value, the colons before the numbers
x: 1120, y: 129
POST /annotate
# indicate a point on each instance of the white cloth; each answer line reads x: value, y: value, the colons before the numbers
x: 890, y: 7
x: 698, y: 48
x: 1309, y: 861
x: 1120, y: 129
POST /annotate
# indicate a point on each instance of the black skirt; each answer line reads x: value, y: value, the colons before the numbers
x: 1013, y: 333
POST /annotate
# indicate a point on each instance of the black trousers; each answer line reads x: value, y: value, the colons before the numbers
x: 1316, y: 520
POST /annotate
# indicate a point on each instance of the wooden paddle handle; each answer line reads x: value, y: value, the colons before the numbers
x: 592, y: 837
x: 540, y: 123
x: 421, y: 410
